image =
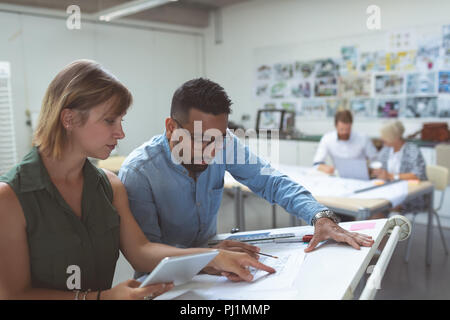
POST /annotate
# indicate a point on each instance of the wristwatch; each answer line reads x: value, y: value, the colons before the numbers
x: 325, y: 214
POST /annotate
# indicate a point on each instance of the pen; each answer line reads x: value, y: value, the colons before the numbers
x: 267, y: 255
x: 305, y: 238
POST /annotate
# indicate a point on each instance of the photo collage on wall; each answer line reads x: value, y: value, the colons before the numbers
x: 410, y: 79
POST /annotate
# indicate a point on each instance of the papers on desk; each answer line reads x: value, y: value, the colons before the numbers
x: 396, y: 193
x: 319, y: 184
x: 322, y: 185
x: 264, y: 286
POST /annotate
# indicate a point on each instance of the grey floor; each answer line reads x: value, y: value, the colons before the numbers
x: 414, y: 280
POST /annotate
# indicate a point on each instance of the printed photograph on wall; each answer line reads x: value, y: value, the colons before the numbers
x: 421, y: 83
x: 283, y: 71
x: 288, y: 106
x: 326, y: 68
x: 303, y: 70
x: 362, y: 107
x: 270, y: 105
x: 325, y: 86
x: 264, y: 72
x: 427, y: 56
x: 388, y: 84
x: 349, y: 57
x: 351, y: 86
x: 401, y: 61
x: 444, y: 81
x: 388, y: 108
x: 372, y: 61
x: 279, y: 90
x: 262, y: 90
x: 334, y: 105
x: 401, y: 40
x: 314, y: 108
x: 419, y: 107
x: 301, y: 89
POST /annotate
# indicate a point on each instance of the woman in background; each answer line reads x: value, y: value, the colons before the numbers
x: 58, y: 211
x: 400, y: 160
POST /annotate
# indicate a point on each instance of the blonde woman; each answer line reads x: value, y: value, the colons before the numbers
x: 57, y: 210
x: 400, y: 160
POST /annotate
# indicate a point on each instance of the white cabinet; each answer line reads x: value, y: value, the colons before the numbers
x: 290, y: 152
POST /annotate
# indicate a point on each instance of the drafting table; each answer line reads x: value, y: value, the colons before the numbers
x: 332, y: 271
x: 359, y: 208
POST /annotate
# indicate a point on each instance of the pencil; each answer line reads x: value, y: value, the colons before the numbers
x: 267, y: 255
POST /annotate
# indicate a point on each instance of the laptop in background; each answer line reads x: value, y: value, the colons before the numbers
x: 352, y: 168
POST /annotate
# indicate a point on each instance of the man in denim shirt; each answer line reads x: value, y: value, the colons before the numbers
x: 175, y: 180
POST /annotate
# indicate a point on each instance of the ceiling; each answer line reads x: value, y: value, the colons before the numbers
x: 192, y: 13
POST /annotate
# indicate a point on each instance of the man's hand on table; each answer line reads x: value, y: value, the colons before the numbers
x: 325, y: 229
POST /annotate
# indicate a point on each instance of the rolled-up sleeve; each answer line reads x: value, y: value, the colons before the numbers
x: 141, y: 202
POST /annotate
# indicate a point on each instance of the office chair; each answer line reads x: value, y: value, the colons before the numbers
x: 438, y: 175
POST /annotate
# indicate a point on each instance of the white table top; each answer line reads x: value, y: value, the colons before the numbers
x: 338, y: 192
x: 332, y: 271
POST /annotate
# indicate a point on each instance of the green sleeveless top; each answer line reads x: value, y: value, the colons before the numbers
x: 57, y: 238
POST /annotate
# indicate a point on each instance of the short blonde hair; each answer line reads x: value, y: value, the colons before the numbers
x: 80, y: 86
x: 392, y: 131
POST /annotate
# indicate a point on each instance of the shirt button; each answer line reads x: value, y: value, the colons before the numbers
x: 198, y: 204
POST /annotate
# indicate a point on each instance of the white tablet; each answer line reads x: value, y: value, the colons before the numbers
x: 178, y: 270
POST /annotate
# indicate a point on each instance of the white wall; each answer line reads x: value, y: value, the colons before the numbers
x: 268, y: 31
x: 152, y: 64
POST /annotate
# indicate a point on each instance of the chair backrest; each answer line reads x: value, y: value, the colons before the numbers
x: 112, y: 163
x: 443, y: 155
x: 438, y: 175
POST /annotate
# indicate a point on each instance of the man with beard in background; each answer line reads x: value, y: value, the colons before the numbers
x: 343, y: 143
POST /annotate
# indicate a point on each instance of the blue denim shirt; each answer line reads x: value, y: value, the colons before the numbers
x: 175, y: 209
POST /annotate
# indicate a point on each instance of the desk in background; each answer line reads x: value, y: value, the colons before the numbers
x: 359, y: 208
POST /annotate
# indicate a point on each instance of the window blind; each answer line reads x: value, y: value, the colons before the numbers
x: 8, y: 157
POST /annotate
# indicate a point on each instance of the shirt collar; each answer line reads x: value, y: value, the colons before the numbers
x: 168, y: 155
x: 33, y: 175
x: 349, y: 138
